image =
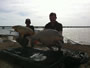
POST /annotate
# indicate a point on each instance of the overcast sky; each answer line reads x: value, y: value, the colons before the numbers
x: 69, y: 12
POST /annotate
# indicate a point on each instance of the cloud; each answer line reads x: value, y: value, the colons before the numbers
x: 23, y: 14
x: 5, y: 11
x: 70, y: 12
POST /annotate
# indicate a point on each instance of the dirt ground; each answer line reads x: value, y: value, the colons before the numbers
x: 85, y: 48
x: 9, y: 44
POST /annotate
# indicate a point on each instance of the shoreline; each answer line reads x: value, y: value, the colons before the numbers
x: 10, y: 44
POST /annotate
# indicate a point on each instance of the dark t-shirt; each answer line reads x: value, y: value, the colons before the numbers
x: 32, y: 27
x: 57, y: 26
x: 23, y: 40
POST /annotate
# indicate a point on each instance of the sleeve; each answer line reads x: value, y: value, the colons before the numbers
x: 60, y: 27
x: 32, y: 27
x: 46, y: 26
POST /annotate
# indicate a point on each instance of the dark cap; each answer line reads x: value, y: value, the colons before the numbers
x: 27, y: 21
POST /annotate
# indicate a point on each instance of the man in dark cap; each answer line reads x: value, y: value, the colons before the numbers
x: 28, y: 22
x: 24, y: 41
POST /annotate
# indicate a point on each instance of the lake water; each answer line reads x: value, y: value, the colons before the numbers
x: 78, y: 35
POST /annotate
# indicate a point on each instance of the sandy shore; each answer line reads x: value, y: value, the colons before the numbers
x: 85, y: 48
x: 9, y: 44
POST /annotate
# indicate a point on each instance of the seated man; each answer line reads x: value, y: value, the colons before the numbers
x: 23, y: 40
x: 53, y: 24
x: 28, y: 24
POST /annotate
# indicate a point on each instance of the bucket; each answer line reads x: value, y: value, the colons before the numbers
x: 10, y: 37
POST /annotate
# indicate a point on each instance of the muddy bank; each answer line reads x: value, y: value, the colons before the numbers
x: 10, y: 44
x: 84, y: 48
